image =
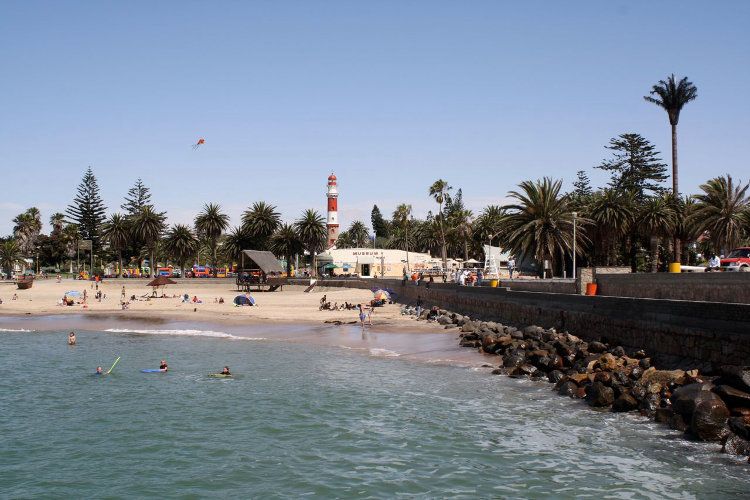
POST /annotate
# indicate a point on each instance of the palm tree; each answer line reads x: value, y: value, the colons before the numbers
x: 719, y: 210
x: 358, y: 233
x: 613, y: 212
x: 656, y: 219
x: 260, y: 221
x: 211, y: 222
x: 57, y: 221
x: 438, y: 191
x: 311, y: 229
x: 181, y: 244
x: 286, y: 242
x: 540, y: 224
x: 401, y: 215
x: 116, y: 232
x: 672, y: 96
x: 490, y: 222
x: 234, y: 243
x: 463, y: 222
x: 147, y: 226
x: 10, y: 255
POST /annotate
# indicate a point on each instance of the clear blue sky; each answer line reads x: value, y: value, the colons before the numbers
x: 389, y: 95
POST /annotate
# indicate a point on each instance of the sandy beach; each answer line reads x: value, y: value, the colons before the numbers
x: 275, y: 315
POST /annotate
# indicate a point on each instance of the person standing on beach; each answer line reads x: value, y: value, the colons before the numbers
x: 362, y: 315
x: 122, y: 295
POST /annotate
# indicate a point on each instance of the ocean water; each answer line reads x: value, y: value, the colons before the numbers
x: 302, y: 420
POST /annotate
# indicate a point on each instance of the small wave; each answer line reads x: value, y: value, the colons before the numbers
x: 190, y: 333
x: 384, y: 353
x: 15, y: 330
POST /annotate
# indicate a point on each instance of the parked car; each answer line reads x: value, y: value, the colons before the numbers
x: 737, y: 260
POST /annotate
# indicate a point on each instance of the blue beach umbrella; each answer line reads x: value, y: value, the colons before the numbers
x: 73, y: 293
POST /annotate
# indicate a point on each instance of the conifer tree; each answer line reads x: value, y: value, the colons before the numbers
x: 635, y: 167
x: 87, y: 210
x: 138, y: 197
x: 379, y: 224
x: 582, y: 185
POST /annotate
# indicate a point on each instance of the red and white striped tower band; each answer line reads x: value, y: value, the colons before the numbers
x: 332, y: 223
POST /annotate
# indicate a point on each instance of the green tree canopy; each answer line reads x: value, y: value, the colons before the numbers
x: 635, y: 166
x: 88, y: 210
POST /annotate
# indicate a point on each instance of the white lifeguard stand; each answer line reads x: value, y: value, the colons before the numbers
x: 491, y: 271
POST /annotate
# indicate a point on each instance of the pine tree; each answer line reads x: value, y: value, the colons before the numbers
x: 88, y: 209
x: 635, y: 167
x: 582, y: 185
x: 379, y: 224
x: 138, y: 197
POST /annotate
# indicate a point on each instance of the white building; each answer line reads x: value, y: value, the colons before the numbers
x: 371, y: 262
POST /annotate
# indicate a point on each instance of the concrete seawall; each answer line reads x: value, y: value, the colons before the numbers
x: 717, y: 333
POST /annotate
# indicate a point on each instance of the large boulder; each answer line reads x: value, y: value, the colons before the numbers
x: 607, y: 362
x: 740, y: 426
x: 736, y: 376
x: 662, y: 377
x: 624, y: 402
x: 735, y: 445
x: 600, y: 395
x: 514, y: 358
x: 709, y: 422
x: 733, y: 397
x: 686, y: 398
x: 597, y: 347
x: 555, y: 376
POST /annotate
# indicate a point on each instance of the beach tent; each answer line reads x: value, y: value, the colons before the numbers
x: 244, y: 300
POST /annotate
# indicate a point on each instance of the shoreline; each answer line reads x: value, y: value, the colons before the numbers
x: 287, y: 316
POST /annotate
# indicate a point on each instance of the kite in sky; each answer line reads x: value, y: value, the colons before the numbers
x: 200, y: 142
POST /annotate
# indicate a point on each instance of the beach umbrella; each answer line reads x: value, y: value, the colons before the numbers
x: 73, y: 293
x: 347, y: 266
x: 244, y: 300
x: 381, y: 296
x: 384, y: 292
x: 161, y: 281
x: 330, y: 266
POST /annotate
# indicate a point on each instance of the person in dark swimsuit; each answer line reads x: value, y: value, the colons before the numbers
x: 99, y: 370
x: 163, y: 365
x: 225, y: 371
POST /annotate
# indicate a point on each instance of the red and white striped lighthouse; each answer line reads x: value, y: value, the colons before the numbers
x: 332, y: 223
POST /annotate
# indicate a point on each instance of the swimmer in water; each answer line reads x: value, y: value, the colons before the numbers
x: 225, y: 371
x: 163, y: 365
x: 99, y: 371
x: 72, y: 338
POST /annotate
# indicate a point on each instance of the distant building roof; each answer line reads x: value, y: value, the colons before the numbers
x: 265, y: 260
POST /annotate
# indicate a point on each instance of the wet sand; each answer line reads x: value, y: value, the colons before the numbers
x: 288, y: 316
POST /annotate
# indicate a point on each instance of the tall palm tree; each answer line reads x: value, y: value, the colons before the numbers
x: 672, y: 96
x: 438, y: 191
x: 10, y: 255
x: 463, y: 222
x: 358, y: 233
x: 211, y: 222
x: 234, y: 243
x: 613, y: 213
x: 57, y: 221
x: 490, y: 222
x: 311, y: 229
x: 116, y: 232
x: 181, y: 244
x: 401, y: 215
x: 260, y: 221
x: 147, y: 226
x: 719, y: 210
x: 656, y: 219
x: 540, y: 223
x: 286, y: 242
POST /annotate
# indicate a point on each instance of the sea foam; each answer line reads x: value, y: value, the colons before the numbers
x: 190, y: 333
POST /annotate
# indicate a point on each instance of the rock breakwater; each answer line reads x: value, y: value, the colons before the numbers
x: 705, y: 406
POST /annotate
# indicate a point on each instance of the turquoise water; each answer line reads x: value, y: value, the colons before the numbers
x: 301, y: 420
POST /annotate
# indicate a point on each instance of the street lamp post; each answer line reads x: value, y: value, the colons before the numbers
x: 574, y: 244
